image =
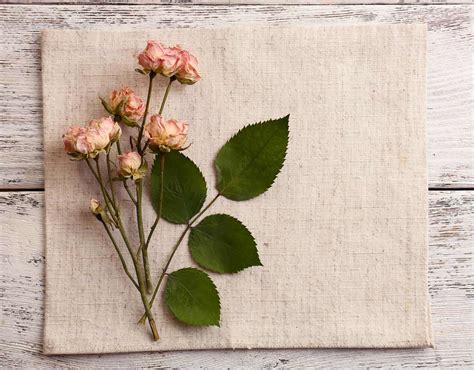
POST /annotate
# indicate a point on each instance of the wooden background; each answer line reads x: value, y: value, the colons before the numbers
x: 450, y: 168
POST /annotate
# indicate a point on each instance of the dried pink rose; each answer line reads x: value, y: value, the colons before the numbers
x: 126, y: 103
x: 80, y: 142
x: 160, y: 59
x: 75, y: 141
x: 188, y: 73
x: 108, y: 127
x: 130, y: 165
x: 97, y: 139
x: 90, y: 140
x: 169, y: 62
x: 166, y: 134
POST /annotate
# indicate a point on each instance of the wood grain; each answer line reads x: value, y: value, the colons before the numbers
x: 240, y: 2
x: 450, y: 130
x: 450, y: 281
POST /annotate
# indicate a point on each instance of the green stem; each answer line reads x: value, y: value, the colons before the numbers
x: 97, y: 177
x: 162, y: 159
x: 165, y: 97
x: 147, y: 306
x: 124, y: 264
x: 108, y: 200
x: 204, y: 209
x: 148, y: 98
x: 111, y: 183
x: 119, y: 148
x: 132, y: 198
x: 173, y: 252
x: 105, y: 194
x: 140, y: 278
x: 141, y: 281
x: 141, y: 233
x: 160, y: 205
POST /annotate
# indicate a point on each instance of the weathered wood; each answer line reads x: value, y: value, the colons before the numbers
x: 450, y: 129
x: 450, y: 281
x: 240, y: 2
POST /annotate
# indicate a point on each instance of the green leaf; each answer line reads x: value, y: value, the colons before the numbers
x: 192, y: 297
x: 248, y: 164
x: 184, y: 187
x: 221, y: 243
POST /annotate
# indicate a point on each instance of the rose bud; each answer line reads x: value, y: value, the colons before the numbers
x: 160, y: 59
x: 126, y: 103
x: 188, y: 73
x: 95, y: 207
x: 130, y: 165
x: 165, y: 134
x: 99, y: 212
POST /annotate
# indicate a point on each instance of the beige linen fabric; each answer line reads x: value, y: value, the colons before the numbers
x: 342, y: 233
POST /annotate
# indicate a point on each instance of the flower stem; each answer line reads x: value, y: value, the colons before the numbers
x: 111, y: 183
x: 175, y: 248
x: 141, y: 281
x: 145, y: 301
x: 165, y: 97
x: 141, y: 233
x: 132, y: 198
x: 162, y: 159
x: 124, y: 264
x: 136, y: 265
x: 107, y: 195
x: 148, y: 98
x: 160, y: 205
x: 107, y: 198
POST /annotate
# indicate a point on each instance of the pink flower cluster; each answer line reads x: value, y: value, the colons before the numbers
x: 127, y: 107
x: 90, y: 140
x: 170, y: 62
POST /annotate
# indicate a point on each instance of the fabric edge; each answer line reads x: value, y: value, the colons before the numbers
x: 423, y: 30
x: 422, y: 345
x: 50, y: 35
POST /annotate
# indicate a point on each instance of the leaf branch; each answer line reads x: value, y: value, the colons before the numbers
x: 160, y: 206
x: 173, y: 252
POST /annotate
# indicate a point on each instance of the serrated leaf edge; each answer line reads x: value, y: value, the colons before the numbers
x: 215, y: 288
x: 245, y: 227
x: 284, y: 156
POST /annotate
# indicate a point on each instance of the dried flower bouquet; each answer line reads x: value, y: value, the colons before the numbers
x: 246, y: 166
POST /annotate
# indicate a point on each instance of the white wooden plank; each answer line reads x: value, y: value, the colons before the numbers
x: 241, y: 2
x: 450, y: 280
x: 450, y: 128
